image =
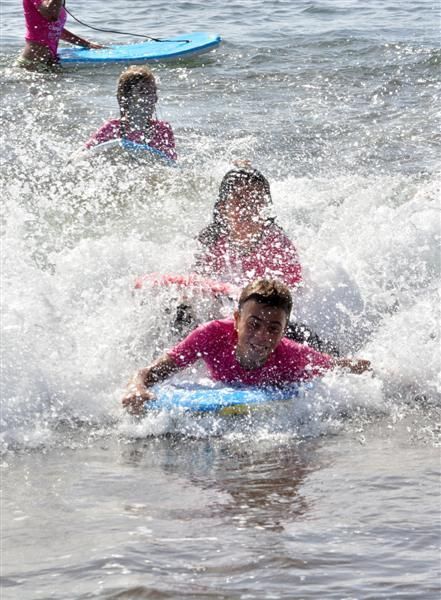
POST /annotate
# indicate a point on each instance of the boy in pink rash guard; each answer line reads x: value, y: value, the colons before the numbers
x: 249, y: 349
x: 215, y: 344
x: 137, y: 97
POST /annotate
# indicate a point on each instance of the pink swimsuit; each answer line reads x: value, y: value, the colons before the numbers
x: 215, y: 343
x: 162, y: 138
x: 274, y: 255
x: 41, y: 31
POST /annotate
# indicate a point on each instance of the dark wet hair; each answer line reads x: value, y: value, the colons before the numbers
x: 244, y: 176
x: 269, y: 292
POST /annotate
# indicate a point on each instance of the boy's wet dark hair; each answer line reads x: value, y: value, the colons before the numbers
x: 246, y: 176
x: 269, y: 292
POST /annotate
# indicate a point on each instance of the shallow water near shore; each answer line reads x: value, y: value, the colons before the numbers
x: 229, y: 517
x: 336, y: 496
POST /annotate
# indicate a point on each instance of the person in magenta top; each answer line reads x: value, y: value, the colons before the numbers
x: 45, y: 21
x: 137, y: 98
x: 249, y: 349
x: 243, y: 241
x: 214, y: 343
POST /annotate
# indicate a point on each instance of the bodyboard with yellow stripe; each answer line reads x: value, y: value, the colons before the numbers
x: 221, y: 400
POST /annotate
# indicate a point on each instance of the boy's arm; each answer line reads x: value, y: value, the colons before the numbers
x: 184, y: 354
x: 138, y: 392
x: 317, y: 363
x: 72, y: 38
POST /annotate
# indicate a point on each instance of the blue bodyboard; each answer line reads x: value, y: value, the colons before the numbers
x: 224, y: 401
x: 179, y: 46
x: 134, y: 149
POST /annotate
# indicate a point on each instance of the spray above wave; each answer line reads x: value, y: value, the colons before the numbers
x: 74, y: 333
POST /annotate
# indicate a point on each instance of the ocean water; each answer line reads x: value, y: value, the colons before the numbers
x: 338, y: 104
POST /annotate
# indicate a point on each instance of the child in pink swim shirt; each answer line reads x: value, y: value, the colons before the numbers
x: 45, y: 21
x: 137, y: 97
x: 249, y: 350
x: 243, y: 242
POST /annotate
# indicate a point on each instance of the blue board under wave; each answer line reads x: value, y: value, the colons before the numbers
x: 224, y: 401
x: 133, y: 148
x: 179, y: 46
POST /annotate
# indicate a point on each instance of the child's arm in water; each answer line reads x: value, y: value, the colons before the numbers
x: 353, y: 365
x: 138, y: 392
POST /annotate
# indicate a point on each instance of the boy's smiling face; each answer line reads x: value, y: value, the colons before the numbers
x: 259, y: 330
